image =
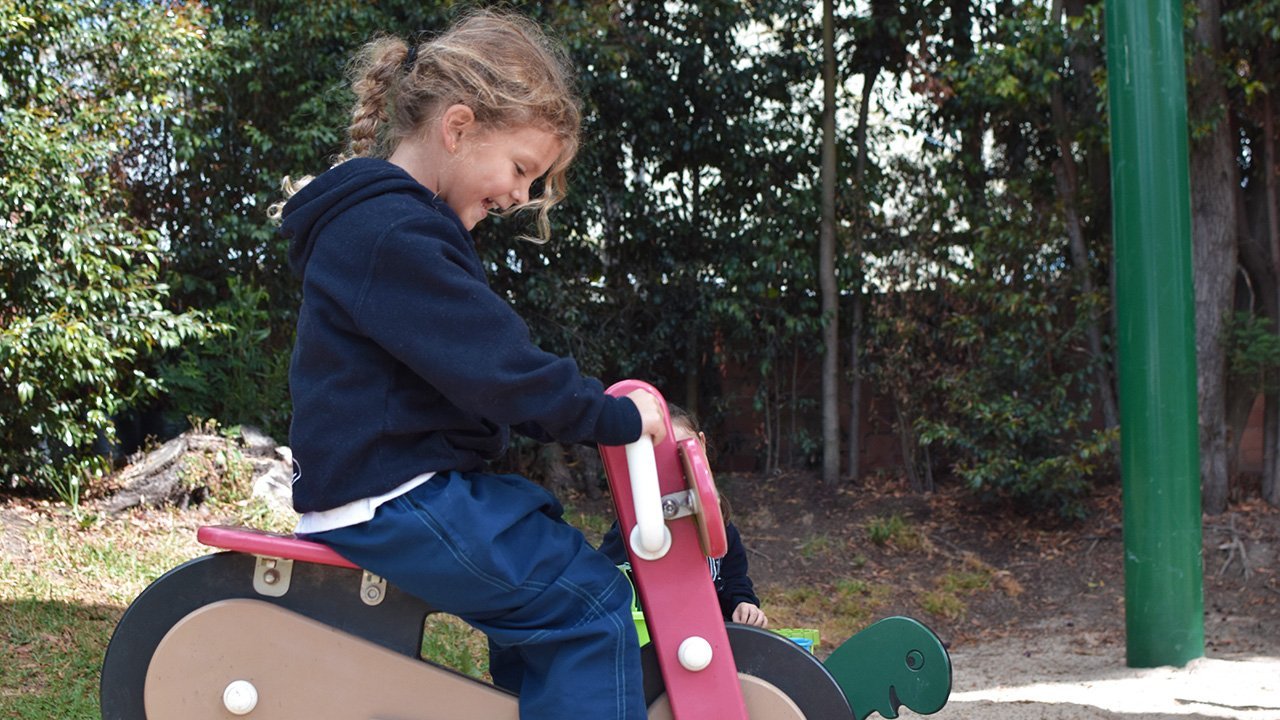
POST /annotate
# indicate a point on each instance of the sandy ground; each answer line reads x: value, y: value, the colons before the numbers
x: 1070, y: 677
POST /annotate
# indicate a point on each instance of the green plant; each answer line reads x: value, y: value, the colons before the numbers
x: 897, y: 531
x: 1253, y: 352
x: 839, y: 610
x: 943, y: 604
x: 82, y: 307
x: 239, y: 371
x: 881, y: 530
x: 815, y: 546
x: 946, y: 599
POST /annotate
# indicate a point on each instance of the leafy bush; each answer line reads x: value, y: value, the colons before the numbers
x: 990, y: 367
x: 81, y: 307
x: 238, y: 372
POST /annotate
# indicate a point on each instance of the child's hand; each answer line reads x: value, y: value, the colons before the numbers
x: 749, y: 614
x: 651, y: 419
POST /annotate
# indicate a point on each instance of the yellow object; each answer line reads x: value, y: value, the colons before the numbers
x: 810, y: 635
x: 642, y: 627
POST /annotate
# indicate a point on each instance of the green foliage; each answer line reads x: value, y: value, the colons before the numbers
x: 238, y: 372
x: 686, y: 233
x: 81, y: 307
x: 268, y: 100
x: 984, y: 354
x: 990, y: 366
x: 1253, y: 352
x: 143, y: 144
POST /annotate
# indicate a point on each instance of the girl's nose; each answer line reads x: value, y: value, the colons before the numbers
x: 520, y: 194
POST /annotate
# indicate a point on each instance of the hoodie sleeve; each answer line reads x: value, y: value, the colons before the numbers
x: 424, y: 298
x: 611, y: 545
x: 736, y: 585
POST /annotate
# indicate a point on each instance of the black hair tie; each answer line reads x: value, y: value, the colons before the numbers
x: 411, y: 58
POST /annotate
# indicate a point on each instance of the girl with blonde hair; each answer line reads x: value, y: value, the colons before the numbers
x: 409, y: 372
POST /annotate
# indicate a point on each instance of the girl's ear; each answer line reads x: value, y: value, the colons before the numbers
x: 455, y: 123
x: 702, y: 439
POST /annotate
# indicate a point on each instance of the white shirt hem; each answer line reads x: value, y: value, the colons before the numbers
x: 354, y: 512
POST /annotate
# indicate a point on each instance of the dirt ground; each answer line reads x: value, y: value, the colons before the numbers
x: 1046, y: 637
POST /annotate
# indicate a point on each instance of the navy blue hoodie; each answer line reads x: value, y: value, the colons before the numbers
x: 405, y: 360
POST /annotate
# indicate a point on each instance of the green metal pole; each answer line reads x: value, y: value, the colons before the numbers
x: 1155, y: 312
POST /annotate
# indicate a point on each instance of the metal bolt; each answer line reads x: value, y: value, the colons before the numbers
x: 271, y: 577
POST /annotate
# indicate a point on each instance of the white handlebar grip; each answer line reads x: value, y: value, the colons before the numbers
x: 650, y: 538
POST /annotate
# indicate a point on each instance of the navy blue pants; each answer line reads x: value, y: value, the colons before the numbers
x: 495, y: 551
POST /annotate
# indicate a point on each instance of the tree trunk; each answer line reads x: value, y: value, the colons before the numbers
x: 1213, y: 227
x: 854, y: 449
x: 827, y: 258
x: 1270, y: 170
x: 910, y: 448
x: 1065, y: 175
x: 1270, y: 447
x: 853, y: 468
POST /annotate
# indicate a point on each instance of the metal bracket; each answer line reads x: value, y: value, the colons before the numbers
x: 373, y: 589
x: 679, y: 504
x: 271, y: 575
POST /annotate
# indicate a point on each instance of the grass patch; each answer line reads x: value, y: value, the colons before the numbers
x: 816, y: 546
x: 897, y: 532
x: 63, y: 592
x: 448, y: 641
x: 52, y: 655
x: 837, y: 610
x: 947, y: 598
x: 61, y: 603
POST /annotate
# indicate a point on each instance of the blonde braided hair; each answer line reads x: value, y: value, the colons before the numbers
x: 499, y: 64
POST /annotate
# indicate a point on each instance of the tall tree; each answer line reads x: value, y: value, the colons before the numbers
x: 827, y: 258
x: 1070, y: 182
x: 1214, y: 179
x: 880, y: 42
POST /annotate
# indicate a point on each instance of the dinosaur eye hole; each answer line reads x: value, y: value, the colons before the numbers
x: 915, y: 660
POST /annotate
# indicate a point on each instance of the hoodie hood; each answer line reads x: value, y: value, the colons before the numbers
x: 339, y: 189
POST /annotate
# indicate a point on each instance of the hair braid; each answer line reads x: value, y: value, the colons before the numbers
x: 375, y: 77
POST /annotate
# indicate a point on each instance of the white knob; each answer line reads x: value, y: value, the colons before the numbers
x: 694, y: 653
x: 240, y: 697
